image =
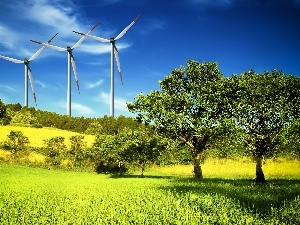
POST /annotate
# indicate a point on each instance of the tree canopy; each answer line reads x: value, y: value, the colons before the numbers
x: 198, y: 105
x: 264, y: 105
x: 190, y: 106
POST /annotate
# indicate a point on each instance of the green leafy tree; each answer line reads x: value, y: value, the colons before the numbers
x: 108, y: 153
x: 141, y: 147
x: 14, y: 107
x: 190, y: 106
x: 2, y: 109
x: 290, y: 146
x: 16, y: 141
x: 55, y: 147
x: 77, y: 149
x: 94, y: 128
x: 23, y: 118
x: 4, y: 118
x: 265, y: 104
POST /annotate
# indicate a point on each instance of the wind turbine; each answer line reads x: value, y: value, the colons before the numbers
x: 71, y: 61
x: 28, y: 72
x: 114, y: 53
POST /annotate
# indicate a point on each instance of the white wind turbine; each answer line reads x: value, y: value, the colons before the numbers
x: 114, y: 52
x: 71, y: 61
x: 28, y: 72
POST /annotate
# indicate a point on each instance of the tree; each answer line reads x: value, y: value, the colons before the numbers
x: 54, y: 148
x: 290, y: 145
x: 191, y: 106
x: 108, y: 153
x: 94, y: 128
x: 14, y: 107
x: 2, y: 109
x: 16, y: 141
x: 265, y: 104
x: 141, y: 147
x: 4, y: 118
x: 23, y: 118
x: 77, y: 149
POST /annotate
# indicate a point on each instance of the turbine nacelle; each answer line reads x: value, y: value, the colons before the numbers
x: 112, y: 40
x: 26, y: 61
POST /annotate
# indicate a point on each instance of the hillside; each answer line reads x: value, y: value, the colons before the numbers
x: 37, y: 135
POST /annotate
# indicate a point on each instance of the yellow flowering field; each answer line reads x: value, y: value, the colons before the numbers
x: 37, y: 135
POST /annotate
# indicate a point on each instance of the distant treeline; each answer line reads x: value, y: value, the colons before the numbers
x: 15, y: 114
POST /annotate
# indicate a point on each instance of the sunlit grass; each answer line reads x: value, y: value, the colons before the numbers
x: 39, y: 196
x: 36, y: 136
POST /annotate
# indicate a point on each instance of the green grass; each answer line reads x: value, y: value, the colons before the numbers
x: 38, y: 196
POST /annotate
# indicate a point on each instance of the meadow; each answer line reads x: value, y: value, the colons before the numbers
x: 167, y: 195
x: 41, y: 196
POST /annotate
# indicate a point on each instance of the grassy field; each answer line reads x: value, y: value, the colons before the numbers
x: 37, y: 135
x: 39, y: 196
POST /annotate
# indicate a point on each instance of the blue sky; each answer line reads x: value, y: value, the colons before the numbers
x: 238, y: 34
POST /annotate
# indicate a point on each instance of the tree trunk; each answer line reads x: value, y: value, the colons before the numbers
x: 197, y: 166
x: 260, y: 177
x: 143, y: 169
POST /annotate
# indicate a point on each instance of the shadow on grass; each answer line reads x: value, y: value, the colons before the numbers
x: 117, y: 176
x: 259, y: 198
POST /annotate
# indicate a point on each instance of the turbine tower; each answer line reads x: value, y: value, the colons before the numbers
x: 114, y: 53
x: 28, y: 72
x: 71, y: 61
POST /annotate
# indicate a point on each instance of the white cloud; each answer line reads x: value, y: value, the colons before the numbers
x: 61, y: 18
x: 119, y: 103
x: 101, y: 48
x: 40, y: 83
x: 94, y: 84
x: 6, y: 87
x: 47, y: 16
x: 76, y: 108
x: 8, y: 38
x: 81, y: 109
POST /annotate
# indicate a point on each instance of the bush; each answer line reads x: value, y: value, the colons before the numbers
x: 37, y: 125
x: 16, y: 141
x: 78, y: 149
x: 54, y: 149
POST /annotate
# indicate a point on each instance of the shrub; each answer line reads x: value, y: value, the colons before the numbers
x: 54, y: 148
x: 78, y: 148
x: 16, y: 141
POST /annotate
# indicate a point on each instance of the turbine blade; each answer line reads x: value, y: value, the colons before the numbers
x: 118, y: 62
x: 31, y: 83
x: 50, y: 46
x: 75, y: 71
x: 11, y: 59
x: 49, y: 41
x: 84, y: 37
x: 41, y: 49
x: 127, y: 28
x: 93, y: 37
